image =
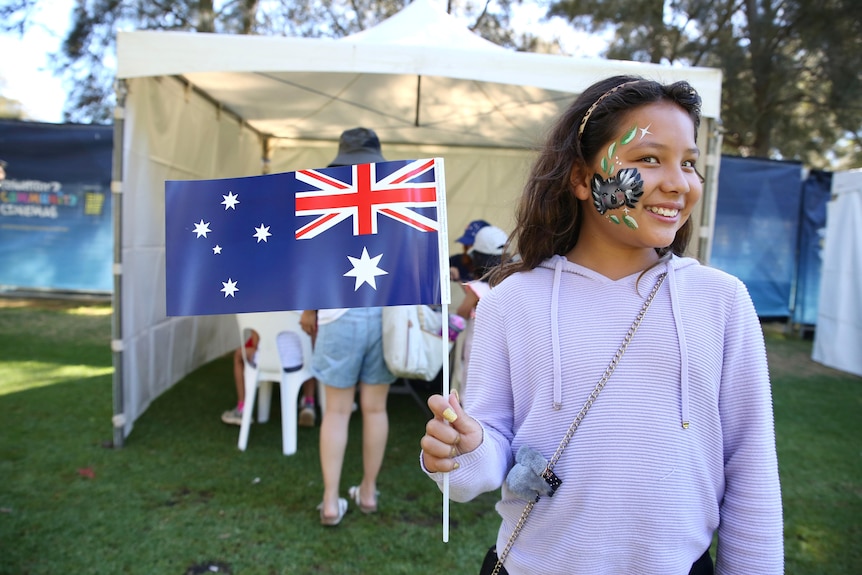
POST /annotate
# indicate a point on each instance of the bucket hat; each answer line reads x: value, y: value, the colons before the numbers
x: 358, y: 146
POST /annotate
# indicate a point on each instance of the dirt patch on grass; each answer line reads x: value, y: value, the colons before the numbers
x: 57, y: 320
x: 790, y: 356
x: 53, y: 303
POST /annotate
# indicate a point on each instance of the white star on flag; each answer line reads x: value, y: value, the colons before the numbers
x: 229, y: 288
x: 230, y: 201
x: 261, y: 233
x: 202, y: 229
x: 365, y: 270
x: 217, y: 249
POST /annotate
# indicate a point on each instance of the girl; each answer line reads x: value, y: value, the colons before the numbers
x: 622, y: 396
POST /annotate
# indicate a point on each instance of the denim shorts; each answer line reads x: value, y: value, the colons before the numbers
x: 350, y: 350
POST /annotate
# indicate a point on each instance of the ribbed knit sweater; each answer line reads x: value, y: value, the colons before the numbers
x: 641, y: 494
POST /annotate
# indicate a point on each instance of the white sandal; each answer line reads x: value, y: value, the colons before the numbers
x: 367, y: 509
x: 333, y: 521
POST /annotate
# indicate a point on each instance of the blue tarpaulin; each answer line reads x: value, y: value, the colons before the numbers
x: 812, y: 229
x: 756, y: 226
x: 56, y: 230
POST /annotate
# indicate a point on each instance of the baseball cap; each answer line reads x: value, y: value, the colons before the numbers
x: 470, y: 232
x: 490, y: 240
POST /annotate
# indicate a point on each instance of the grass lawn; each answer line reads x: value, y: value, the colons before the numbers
x: 180, y: 498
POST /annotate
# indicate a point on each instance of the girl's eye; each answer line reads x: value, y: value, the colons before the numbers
x: 688, y: 164
x: 649, y: 160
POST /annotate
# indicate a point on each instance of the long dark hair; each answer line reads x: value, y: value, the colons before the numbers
x: 484, y: 263
x: 548, y: 217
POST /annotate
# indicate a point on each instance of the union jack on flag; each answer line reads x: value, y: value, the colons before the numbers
x: 349, y: 236
x: 365, y: 197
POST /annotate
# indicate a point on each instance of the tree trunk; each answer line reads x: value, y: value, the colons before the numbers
x: 206, y: 16
x: 656, y: 24
x: 249, y: 13
x: 759, y: 20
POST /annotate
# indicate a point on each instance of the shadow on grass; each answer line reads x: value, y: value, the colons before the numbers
x: 180, y: 494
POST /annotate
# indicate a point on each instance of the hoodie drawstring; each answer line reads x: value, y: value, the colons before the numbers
x: 683, y: 354
x: 555, y: 333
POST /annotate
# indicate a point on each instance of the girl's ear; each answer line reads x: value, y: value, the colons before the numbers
x: 579, y: 179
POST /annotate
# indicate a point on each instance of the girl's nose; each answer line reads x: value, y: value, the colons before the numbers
x: 675, y: 180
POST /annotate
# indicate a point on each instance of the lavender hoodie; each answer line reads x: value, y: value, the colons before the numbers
x: 641, y: 494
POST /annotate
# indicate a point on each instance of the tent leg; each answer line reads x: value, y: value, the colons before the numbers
x: 119, y: 419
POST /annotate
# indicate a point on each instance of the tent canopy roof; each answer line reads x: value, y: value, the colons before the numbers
x: 417, y: 77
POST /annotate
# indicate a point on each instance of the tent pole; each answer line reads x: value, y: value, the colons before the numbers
x: 418, y: 99
x: 266, y: 145
x: 119, y: 419
x: 710, y: 188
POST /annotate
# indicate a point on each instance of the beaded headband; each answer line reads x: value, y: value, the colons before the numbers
x: 596, y: 103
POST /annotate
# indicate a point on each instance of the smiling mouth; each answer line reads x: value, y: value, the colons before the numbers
x: 666, y: 212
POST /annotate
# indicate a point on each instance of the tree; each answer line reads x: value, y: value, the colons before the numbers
x: 10, y: 109
x: 791, y: 68
x: 86, y: 60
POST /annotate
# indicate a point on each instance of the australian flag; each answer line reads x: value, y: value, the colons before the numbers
x: 350, y: 236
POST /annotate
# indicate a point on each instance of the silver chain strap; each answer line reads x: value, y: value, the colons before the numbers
x: 577, y: 421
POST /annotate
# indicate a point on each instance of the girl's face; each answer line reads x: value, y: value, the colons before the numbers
x: 643, y: 186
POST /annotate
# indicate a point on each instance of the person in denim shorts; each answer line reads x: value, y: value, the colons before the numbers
x: 348, y: 351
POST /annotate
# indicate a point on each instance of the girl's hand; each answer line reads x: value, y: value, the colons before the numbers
x: 450, y: 433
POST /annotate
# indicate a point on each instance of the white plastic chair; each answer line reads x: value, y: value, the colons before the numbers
x: 283, y: 355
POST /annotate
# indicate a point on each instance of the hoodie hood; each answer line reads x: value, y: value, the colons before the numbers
x: 645, y: 284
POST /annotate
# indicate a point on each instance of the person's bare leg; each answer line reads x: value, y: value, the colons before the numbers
x: 238, y: 377
x: 333, y: 442
x: 375, y: 433
x: 307, y: 413
x: 308, y: 387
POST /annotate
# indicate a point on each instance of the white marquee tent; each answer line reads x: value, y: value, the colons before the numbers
x: 201, y: 106
x: 838, y: 337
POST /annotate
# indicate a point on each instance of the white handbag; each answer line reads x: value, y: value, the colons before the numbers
x: 412, y: 341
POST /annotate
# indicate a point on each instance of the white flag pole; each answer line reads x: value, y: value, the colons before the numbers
x: 445, y: 300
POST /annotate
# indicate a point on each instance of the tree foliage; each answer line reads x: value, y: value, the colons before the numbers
x: 791, y: 68
x: 792, y: 84
x: 86, y: 60
x: 9, y: 107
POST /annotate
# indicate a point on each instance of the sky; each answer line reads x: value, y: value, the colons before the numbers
x: 24, y: 73
x: 23, y: 64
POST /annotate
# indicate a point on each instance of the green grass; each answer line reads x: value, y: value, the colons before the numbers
x: 179, y: 494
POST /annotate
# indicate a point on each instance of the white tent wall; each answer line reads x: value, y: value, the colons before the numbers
x: 838, y: 336
x: 170, y: 132
x: 204, y: 106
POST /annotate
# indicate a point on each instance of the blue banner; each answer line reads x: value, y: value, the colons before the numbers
x: 350, y: 236
x: 756, y: 225
x: 56, y: 230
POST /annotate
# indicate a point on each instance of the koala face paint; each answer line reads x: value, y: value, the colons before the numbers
x: 621, y: 190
